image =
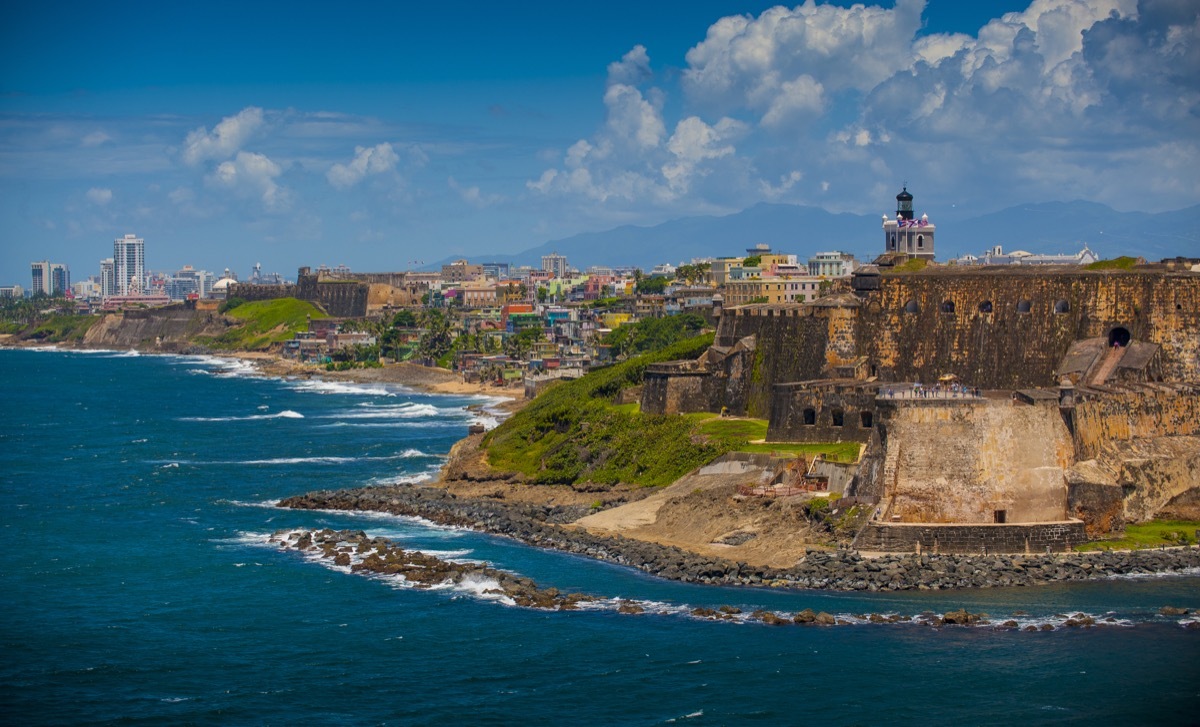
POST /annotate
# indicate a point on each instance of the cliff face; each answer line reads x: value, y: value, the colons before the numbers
x: 163, y: 329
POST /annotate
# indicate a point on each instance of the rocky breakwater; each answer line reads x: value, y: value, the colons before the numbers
x: 381, y: 557
x: 842, y: 570
x: 849, y: 570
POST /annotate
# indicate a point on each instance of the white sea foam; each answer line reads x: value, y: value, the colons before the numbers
x: 395, y: 424
x: 243, y: 503
x: 310, y: 460
x: 1160, y: 574
x: 285, y: 414
x: 320, y: 386
x: 402, y: 411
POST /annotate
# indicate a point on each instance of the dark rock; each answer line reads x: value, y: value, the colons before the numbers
x: 806, y: 616
x: 1173, y: 611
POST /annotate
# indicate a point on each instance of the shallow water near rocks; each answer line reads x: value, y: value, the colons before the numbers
x: 139, y: 587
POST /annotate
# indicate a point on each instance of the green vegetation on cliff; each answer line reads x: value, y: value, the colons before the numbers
x: 60, y: 328
x: 262, y: 323
x: 573, y: 432
x: 653, y: 334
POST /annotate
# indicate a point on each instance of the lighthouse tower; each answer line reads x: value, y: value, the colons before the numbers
x: 906, y: 235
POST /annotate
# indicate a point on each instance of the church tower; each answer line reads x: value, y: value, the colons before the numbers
x: 906, y: 235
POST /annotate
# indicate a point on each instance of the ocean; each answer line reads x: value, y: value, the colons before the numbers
x: 137, y: 496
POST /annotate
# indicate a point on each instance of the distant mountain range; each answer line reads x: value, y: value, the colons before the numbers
x: 1050, y: 227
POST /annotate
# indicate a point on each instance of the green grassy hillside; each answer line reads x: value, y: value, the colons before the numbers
x: 263, y: 323
x: 574, y: 433
x: 62, y: 329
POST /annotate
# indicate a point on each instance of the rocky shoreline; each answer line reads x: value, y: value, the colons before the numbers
x: 841, y: 570
x: 380, y: 557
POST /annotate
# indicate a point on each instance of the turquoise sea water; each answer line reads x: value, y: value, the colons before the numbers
x: 137, y: 588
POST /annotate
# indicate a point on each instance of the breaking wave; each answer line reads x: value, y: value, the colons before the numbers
x: 285, y: 414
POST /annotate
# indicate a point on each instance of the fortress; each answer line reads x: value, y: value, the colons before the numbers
x: 1076, y: 404
x: 343, y: 294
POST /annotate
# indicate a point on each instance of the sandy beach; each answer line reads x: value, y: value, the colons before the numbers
x: 422, y: 378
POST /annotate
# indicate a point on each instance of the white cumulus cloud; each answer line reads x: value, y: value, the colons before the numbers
x: 253, y: 175
x: 226, y: 138
x: 367, y: 160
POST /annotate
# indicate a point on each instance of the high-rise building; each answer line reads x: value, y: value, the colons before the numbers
x: 129, y: 265
x: 556, y: 264
x: 108, y: 278
x: 50, y: 278
x: 188, y: 281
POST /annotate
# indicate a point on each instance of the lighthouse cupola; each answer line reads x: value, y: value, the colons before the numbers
x: 904, y: 208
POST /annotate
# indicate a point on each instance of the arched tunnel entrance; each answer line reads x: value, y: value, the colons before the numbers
x: 1118, y: 336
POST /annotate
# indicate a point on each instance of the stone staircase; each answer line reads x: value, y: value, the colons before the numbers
x: 1108, y: 365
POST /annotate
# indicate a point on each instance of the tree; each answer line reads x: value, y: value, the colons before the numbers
x: 652, y: 286
x: 691, y: 273
x: 752, y: 262
x: 653, y: 334
x: 404, y: 319
x: 542, y: 294
x: 436, y: 341
x: 522, y: 342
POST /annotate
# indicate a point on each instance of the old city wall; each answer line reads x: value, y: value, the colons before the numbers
x: 800, y: 413
x: 685, y: 387
x: 339, y: 298
x: 956, y: 461
x: 249, y: 292
x: 1056, y: 537
x: 1136, y: 412
x: 167, y: 329
x: 790, y: 345
x: 919, y: 326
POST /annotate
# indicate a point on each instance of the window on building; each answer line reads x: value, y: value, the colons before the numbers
x: 810, y: 417
x: 912, y: 307
x: 1000, y: 516
x: 1024, y: 306
x: 947, y: 306
x: 1062, y: 306
x: 865, y: 419
x: 920, y: 241
x: 985, y: 306
x: 839, y: 417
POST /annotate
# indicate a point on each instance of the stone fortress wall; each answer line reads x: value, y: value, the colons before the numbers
x: 1048, y: 467
x: 344, y: 295
x: 995, y: 329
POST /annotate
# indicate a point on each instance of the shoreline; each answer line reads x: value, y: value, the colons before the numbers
x: 834, y: 570
x: 544, y: 516
x: 414, y: 376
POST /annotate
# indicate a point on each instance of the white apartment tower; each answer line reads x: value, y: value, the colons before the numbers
x: 50, y: 278
x: 129, y: 265
x: 556, y: 264
x: 108, y: 278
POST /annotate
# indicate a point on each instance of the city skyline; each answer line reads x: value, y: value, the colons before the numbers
x: 394, y: 134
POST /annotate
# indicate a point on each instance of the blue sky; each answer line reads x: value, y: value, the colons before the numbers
x: 377, y: 134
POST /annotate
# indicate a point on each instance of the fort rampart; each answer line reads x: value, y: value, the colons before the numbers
x: 1056, y: 537
x: 1135, y: 412
x: 995, y: 329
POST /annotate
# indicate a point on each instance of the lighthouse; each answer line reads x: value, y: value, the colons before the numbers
x: 905, y: 234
